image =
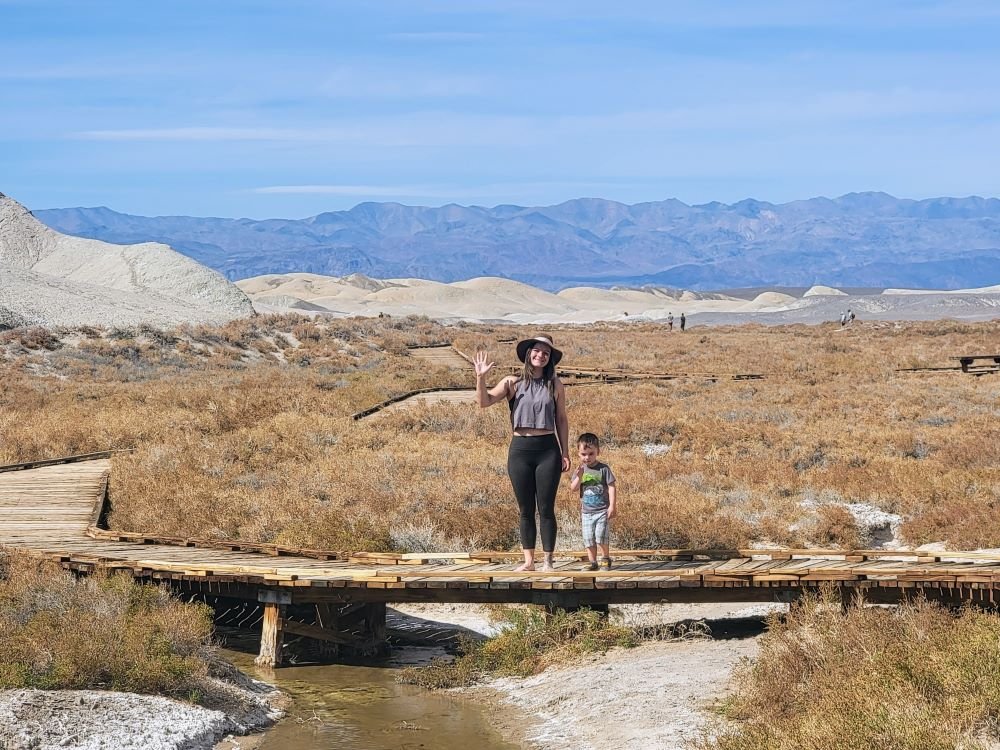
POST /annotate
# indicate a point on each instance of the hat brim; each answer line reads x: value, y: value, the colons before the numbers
x: 526, y: 344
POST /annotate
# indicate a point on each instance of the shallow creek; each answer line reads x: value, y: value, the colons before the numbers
x: 363, y: 708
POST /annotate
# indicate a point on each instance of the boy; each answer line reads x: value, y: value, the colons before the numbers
x: 596, y: 483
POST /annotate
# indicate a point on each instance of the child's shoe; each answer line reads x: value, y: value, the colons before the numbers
x: 591, y: 566
x: 605, y: 563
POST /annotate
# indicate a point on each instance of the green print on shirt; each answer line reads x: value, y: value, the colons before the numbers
x: 593, y: 491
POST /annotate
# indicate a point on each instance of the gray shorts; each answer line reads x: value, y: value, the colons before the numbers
x: 595, y: 528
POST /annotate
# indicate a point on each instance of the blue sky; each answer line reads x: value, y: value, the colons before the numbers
x: 289, y: 108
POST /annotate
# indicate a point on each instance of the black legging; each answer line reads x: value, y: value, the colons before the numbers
x: 534, y: 465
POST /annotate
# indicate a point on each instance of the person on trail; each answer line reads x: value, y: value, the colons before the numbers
x: 538, y: 452
x: 670, y: 321
x: 683, y: 321
x: 843, y: 319
x: 850, y: 315
x: 598, y: 500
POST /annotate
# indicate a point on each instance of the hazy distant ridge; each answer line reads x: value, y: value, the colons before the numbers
x: 860, y: 239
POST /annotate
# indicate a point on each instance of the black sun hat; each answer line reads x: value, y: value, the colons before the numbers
x: 526, y: 344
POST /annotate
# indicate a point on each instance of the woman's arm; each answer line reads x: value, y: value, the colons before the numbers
x: 488, y: 396
x: 562, y: 424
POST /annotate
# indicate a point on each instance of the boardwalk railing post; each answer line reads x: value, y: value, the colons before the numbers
x: 272, y: 628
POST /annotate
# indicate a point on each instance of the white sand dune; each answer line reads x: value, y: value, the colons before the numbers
x: 503, y: 300
x: 769, y: 301
x: 823, y: 291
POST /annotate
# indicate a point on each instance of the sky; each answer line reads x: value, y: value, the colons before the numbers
x: 288, y: 108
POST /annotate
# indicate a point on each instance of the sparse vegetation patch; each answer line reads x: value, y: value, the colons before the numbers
x: 101, y: 632
x: 917, y: 677
x: 529, y: 641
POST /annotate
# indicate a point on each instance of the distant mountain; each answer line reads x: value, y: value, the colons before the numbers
x: 857, y: 240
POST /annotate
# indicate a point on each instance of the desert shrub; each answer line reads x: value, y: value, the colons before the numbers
x: 529, y: 641
x: 836, y: 527
x: 31, y: 338
x: 913, y: 678
x: 102, y: 632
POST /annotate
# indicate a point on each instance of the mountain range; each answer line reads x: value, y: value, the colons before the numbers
x: 858, y: 240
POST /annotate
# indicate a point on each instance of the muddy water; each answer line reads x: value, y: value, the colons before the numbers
x: 364, y: 708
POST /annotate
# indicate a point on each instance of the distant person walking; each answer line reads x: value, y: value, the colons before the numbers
x: 683, y: 322
x: 538, y: 452
x: 843, y: 319
x: 850, y: 315
x: 670, y: 321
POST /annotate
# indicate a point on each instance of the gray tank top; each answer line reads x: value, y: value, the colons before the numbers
x: 532, y: 406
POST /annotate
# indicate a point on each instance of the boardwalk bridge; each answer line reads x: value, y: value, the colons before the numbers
x: 55, y: 509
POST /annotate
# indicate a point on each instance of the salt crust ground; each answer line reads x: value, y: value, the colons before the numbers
x: 101, y: 720
x: 654, y: 697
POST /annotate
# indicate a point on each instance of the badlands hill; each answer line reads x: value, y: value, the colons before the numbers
x: 497, y: 299
x: 48, y: 278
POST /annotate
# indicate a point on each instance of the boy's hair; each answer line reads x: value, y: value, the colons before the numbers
x: 589, y: 438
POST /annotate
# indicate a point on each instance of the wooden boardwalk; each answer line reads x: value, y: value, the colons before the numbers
x: 444, y: 355
x: 54, y: 510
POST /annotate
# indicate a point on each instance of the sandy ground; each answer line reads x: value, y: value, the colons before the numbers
x: 658, y: 696
x: 655, y: 697
x: 231, y: 704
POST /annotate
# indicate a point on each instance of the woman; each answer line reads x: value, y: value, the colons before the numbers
x: 538, y: 451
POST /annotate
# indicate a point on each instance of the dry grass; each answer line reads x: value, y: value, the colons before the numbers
x: 57, y: 631
x: 914, y: 678
x: 243, y: 432
x: 529, y: 641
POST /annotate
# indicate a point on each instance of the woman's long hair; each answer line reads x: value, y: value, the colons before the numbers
x: 548, y: 373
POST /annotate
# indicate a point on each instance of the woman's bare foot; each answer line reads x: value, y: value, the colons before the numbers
x: 525, y: 566
x: 547, y: 566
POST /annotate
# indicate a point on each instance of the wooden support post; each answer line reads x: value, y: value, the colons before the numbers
x: 375, y: 626
x: 272, y: 627
x: 271, y: 636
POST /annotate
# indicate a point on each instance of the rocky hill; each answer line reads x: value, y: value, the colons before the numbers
x: 47, y: 278
x: 857, y: 240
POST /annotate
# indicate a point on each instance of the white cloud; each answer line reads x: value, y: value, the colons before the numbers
x: 67, y: 71
x: 437, y: 36
x: 451, y: 129
x: 364, y: 82
x: 356, y: 190
x: 491, y: 191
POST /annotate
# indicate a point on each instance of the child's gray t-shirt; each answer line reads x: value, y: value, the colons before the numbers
x: 594, y: 488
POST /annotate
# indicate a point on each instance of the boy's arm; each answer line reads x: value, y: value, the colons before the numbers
x: 574, y: 482
x: 612, y: 500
